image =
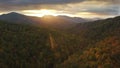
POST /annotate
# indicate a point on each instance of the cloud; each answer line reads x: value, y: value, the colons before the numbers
x: 100, y: 7
x: 94, y: 7
x: 27, y: 2
x: 30, y: 4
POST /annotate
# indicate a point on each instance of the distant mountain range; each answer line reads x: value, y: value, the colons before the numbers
x: 47, y: 21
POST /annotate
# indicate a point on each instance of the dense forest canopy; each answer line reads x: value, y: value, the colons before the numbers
x: 86, y: 45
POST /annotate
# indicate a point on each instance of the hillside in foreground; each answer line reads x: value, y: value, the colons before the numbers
x: 103, y: 48
x: 28, y: 46
x: 87, y: 45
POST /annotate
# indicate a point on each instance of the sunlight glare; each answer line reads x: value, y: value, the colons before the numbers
x: 41, y: 13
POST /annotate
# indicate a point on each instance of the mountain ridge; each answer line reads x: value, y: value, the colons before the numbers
x: 47, y: 21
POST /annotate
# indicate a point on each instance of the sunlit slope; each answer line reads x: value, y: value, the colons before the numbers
x: 103, y: 49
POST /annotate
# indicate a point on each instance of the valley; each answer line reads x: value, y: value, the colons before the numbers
x: 30, y: 42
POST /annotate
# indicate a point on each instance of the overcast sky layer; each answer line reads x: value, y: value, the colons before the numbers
x: 74, y: 8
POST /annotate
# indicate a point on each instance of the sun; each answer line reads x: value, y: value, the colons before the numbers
x: 47, y: 12
x: 40, y: 13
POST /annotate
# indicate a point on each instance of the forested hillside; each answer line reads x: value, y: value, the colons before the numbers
x: 87, y: 45
x: 26, y: 46
x: 103, y: 48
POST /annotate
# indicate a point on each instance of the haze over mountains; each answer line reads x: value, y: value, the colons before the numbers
x: 48, y: 20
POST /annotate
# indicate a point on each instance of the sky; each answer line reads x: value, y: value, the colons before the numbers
x: 72, y: 8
